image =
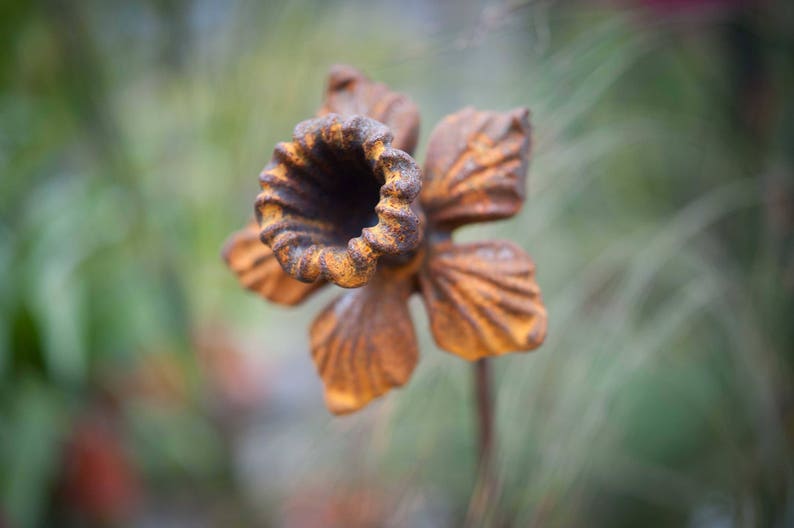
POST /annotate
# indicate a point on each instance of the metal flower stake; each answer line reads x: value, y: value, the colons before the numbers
x: 341, y: 203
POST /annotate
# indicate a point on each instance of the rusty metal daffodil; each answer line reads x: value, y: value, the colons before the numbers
x: 339, y: 204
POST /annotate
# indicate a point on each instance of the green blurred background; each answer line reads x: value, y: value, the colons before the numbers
x: 140, y: 386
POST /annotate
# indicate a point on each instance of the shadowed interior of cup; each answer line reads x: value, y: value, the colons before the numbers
x: 345, y: 191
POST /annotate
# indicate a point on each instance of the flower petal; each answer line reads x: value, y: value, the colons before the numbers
x: 482, y: 299
x: 364, y: 344
x: 258, y: 270
x: 350, y: 92
x: 476, y: 167
x: 337, y: 198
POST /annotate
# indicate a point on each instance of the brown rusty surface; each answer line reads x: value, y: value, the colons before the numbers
x: 476, y: 167
x: 338, y: 205
x: 350, y: 92
x: 363, y: 343
x: 258, y: 270
x: 337, y: 198
x: 482, y: 299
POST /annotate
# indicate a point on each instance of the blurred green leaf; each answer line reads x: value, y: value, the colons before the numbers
x: 32, y: 434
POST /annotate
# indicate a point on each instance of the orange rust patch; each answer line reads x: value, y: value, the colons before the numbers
x: 482, y: 299
x: 258, y: 270
x: 343, y: 200
x: 350, y: 92
x: 480, y: 158
x: 363, y: 344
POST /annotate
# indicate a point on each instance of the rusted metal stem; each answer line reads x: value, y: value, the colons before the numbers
x: 486, y: 481
x: 482, y: 382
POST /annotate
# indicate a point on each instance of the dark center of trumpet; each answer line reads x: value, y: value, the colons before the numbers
x: 347, y: 191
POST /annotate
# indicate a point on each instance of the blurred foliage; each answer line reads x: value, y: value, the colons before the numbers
x: 660, y: 216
